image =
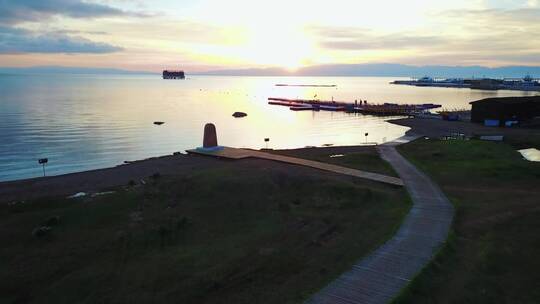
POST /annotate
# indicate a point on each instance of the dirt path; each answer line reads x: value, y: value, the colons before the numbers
x: 379, y: 277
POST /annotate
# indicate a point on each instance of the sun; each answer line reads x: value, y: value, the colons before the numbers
x: 292, y: 68
x: 280, y: 47
x: 284, y: 45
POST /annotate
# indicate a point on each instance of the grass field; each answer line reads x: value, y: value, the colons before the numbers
x: 492, y: 255
x: 358, y: 157
x: 233, y: 235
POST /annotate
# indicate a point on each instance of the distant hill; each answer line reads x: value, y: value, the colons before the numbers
x: 382, y: 69
x: 250, y: 72
x: 68, y: 70
x: 389, y: 70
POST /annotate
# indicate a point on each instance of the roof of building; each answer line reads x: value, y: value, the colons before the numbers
x: 508, y: 100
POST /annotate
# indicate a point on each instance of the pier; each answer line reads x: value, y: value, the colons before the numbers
x: 385, y: 109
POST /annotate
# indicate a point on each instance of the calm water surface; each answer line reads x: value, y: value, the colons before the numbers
x: 89, y: 122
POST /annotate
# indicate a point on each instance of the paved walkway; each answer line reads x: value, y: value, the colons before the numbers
x: 234, y: 153
x: 403, y: 139
x: 379, y: 277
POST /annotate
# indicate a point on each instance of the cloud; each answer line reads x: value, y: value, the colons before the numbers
x: 496, y: 35
x: 17, y: 11
x: 494, y: 18
x: 348, y: 38
x: 486, y: 36
x: 16, y: 40
x: 73, y: 32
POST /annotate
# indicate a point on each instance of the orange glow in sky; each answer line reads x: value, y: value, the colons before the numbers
x: 211, y: 34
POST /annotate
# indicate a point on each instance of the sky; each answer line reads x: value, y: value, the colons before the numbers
x: 225, y: 34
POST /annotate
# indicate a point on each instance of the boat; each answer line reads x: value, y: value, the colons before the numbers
x: 173, y: 74
x: 303, y: 108
x: 285, y: 103
x: 527, y: 83
x: 331, y: 108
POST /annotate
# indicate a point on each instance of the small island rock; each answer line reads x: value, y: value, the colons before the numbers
x: 239, y: 114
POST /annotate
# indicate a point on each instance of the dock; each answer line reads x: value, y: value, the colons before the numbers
x: 385, y: 109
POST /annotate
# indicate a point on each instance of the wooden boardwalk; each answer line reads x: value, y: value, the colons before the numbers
x: 379, y: 277
x: 233, y: 153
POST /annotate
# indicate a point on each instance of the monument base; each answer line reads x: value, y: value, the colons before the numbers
x: 210, y: 149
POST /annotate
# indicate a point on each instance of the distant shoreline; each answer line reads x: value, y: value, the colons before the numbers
x: 329, y: 70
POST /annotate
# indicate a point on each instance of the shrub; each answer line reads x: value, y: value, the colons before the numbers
x: 41, y: 231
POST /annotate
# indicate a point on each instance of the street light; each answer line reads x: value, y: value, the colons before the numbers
x: 366, y: 134
x: 266, y: 140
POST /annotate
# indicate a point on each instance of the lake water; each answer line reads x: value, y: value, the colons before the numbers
x: 82, y: 122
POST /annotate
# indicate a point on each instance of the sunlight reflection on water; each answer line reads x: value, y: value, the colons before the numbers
x: 85, y: 122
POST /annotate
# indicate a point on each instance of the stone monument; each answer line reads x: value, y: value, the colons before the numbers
x: 210, y: 138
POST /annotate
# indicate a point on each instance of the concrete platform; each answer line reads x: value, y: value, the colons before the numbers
x: 226, y: 152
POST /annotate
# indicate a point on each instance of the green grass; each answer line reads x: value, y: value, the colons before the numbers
x: 525, y: 139
x: 492, y: 254
x: 226, y: 235
x: 362, y: 158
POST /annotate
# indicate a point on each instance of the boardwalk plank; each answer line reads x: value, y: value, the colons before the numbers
x: 233, y: 153
x: 379, y: 277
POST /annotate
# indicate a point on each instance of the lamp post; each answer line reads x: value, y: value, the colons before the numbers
x: 366, y: 135
x: 266, y: 140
